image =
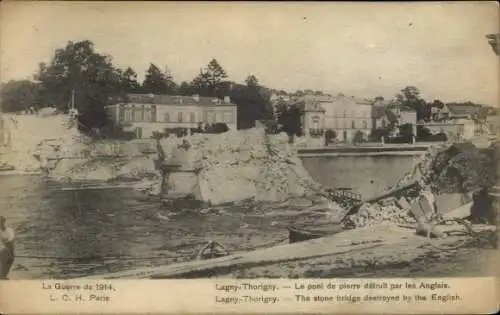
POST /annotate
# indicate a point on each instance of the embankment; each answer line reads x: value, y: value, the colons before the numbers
x: 26, y: 138
x: 233, y: 166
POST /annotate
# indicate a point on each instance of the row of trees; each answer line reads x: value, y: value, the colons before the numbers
x: 94, y: 79
x: 410, y: 97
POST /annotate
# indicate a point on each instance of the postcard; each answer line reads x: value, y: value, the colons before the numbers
x: 240, y: 157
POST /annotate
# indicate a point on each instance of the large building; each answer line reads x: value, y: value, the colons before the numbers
x: 348, y: 116
x: 147, y: 113
x: 345, y: 115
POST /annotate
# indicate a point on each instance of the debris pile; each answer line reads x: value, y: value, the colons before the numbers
x: 456, y: 168
x: 247, y: 164
x: 386, y: 210
x: 27, y: 137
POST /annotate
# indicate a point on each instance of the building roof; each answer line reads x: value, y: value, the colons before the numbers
x: 463, y: 109
x: 172, y: 100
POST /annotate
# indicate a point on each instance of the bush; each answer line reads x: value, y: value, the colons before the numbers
x: 377, y: 134
x: 330, y: 136
x: 406, y: 132
x: 178, y: 131
x: 271, y: 126
x: 440, y: 137
x: 117, y: 133
x: 316, y: 133
x: 359, y: 137
x: 220, y: 127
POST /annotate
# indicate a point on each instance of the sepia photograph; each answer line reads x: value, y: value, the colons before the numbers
x: 239, y: 140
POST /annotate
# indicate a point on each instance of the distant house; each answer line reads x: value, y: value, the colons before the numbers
x: 460, y: 128
x: 313, y: 119
x: 380, y: 117
x: 347, y: 115
x: 458, y: 111
x: 386, y: 112
x: 145, y: 114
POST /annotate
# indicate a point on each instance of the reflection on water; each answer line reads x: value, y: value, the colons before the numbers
x: 368, y: 175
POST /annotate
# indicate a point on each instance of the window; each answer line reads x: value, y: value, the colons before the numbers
x: 121, y: 113
x: 210, y: 117
x: 315, y: 122
x: 142, y: 115
x: 228, y: 117
x: 353, y: 124
x: 128, y: 114
x: 147, y: 114
x: 138, y: 113
x: 153, y: 113
x: 365, y: 124
x: 179, y: 117
x: 134, y: 118
x: 191, y: 117
x: 345, y: 113
x: 166, y: 117
x: 383, y: 123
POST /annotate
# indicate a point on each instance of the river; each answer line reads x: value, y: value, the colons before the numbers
x: 367, y: 175
x: 65, y: 234
x: 53, y: 227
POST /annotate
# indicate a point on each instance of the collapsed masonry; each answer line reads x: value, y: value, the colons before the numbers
x: 458, y: 170
x: 239, y: 165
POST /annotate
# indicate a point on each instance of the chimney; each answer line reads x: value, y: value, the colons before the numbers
x: 196, y: 98
x: 227, y: 99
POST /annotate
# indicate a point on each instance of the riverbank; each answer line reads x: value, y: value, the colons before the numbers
x: 367, y: 249
x: 367, y: 150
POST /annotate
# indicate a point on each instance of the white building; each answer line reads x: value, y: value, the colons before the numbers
x: 147, y: 113
x: 348, y: 115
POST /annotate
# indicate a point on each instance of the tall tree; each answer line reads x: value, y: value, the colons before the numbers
x: 410, y: 97
x: 128, y: 81
x: 19, y: 95
x: 78, y: 67
x: 299, y: 93
x: 437, y: 103
x: 200, y: 84
x: 252, y: 102
x: 212, y: 81
x: 158, y: 82
x: 290, y: 120
x: 252, y: 81
x: 185, y: 88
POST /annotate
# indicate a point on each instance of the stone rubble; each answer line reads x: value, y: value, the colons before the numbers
x: 447, y: 168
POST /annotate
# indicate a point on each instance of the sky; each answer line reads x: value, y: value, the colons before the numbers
x: 360, y: 49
